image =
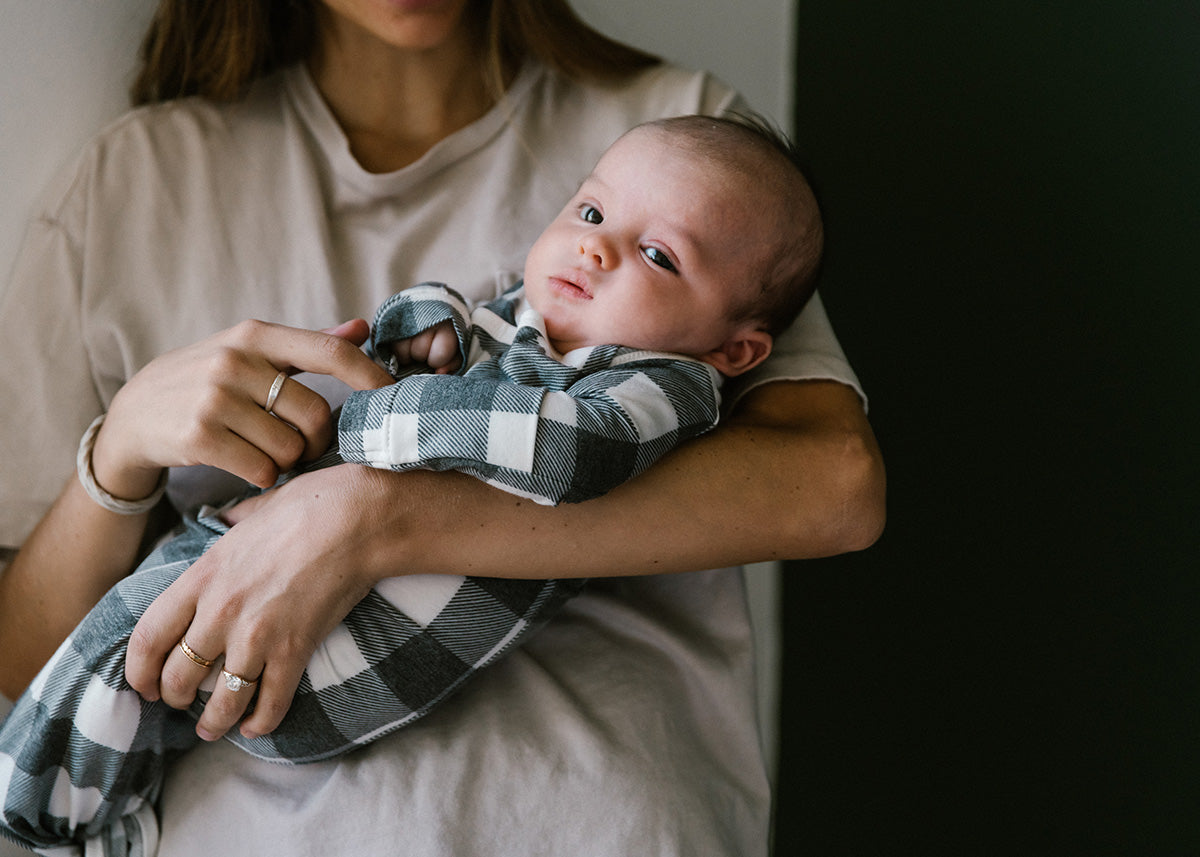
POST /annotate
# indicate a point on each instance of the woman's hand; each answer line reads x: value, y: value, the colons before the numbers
x: 225, y: 402
x: 206, y: 404
x: 795, y: 473
x: 200, y: 404
x: 263, y: 597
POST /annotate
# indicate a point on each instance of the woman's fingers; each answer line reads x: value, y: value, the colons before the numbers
x: 231, y: 697
x: 311, y: 351
x: 277, y: 688
x: 355, y: 331
x: 302, y: 430
x: 262, y: 598
x: 206, y: 646
x: 206, y: 404
x: 297, y: 428
x: 253, y: 446
x: 182, y: 644
x: 231, y: 678
x: 161, y: 629
x: 183, y: 674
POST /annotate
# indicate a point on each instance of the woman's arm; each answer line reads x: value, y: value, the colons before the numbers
x: 795, y: 473
x: 202, y: 404
x: 76, y: 553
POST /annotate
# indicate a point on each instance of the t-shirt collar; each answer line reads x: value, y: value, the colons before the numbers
x: 318, y: 118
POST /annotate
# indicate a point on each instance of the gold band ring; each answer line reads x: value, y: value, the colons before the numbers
x: 273, y: 393
x: 235, y: 682
x: 192, y: 656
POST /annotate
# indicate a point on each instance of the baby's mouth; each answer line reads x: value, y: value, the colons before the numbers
x: 573, y: 285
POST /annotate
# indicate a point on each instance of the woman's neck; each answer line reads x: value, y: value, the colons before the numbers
x: 394, y: 105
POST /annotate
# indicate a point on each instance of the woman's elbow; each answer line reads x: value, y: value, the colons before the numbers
x: 864, y: 495
x: 852, y: 507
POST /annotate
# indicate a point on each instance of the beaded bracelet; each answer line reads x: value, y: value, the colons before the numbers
x: 83, y: 466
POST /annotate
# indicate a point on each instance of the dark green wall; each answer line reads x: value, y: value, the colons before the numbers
x: 1012, y: 193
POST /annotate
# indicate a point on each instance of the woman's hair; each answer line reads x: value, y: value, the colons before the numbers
x: 217, y: 48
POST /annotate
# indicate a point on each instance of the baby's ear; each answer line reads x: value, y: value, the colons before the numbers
x: 741, y: 352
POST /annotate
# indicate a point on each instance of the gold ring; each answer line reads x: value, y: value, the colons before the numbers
x: 192, y: 656
x: 235, y: 682
x: 273, y: 393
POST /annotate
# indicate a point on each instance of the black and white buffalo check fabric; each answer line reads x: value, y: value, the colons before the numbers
x: 552, y: 430
x: 82, y: 756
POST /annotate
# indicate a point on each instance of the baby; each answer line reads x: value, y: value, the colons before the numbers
x: 692, y: 244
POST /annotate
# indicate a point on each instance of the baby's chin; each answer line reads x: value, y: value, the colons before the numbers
x: 567, y: 341
x: 566, y: 346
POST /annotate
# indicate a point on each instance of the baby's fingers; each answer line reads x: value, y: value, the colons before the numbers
x: 402, y: 352
x: 443, y: 349
x: 420, y: 344
x: 436, y: 347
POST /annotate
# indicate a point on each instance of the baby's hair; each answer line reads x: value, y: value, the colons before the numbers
x: 748, y: 143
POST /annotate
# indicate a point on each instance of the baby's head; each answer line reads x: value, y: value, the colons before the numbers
x: 692, y: 235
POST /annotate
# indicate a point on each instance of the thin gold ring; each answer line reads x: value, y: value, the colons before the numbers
x: 235, y: 682
x: 192, y: 656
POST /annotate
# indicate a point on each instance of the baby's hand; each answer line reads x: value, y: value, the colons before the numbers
x: 436, y: 347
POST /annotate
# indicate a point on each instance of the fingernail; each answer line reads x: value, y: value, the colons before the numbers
x: 206, y: 735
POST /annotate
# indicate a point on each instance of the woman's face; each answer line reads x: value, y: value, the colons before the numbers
x: 405, y: 24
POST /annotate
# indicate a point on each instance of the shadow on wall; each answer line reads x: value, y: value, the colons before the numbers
x: 1011, y: 201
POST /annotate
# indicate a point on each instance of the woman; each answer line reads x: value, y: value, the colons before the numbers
x: 341, y: 151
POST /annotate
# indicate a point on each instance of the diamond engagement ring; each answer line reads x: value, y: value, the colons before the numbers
x: 235, y: 682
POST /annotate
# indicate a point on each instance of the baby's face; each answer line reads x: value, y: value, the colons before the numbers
x: 652, y: 252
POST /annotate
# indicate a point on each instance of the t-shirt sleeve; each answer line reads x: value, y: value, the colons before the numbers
x: 807, y: 351
x: 46, y: 384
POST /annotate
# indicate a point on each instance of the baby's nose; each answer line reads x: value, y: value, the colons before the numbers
x: 598, y: 251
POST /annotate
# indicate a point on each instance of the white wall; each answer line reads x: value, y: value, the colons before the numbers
x: 65, y: 67
x: 747, y: 44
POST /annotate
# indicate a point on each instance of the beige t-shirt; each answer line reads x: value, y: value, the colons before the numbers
x: 625, y: 727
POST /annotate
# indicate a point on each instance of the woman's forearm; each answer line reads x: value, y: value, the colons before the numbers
x: 73, y: 557
x: 795, y: 474
x: 200, y: 404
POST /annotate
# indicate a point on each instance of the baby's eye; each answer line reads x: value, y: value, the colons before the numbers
x: 658, y: 257
x: 591, y: 214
